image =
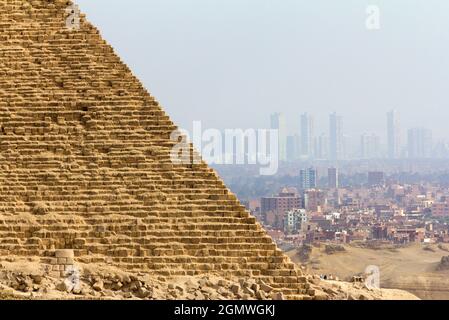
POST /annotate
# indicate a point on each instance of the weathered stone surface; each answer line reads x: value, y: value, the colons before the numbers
x: 278, y: 296
x: 61, y: 255
x: 63, y: 286
x: 37, y: 279
x: 265, y: 287
x: 98, y: 286
x: 260, y: 295
x: 235, y: 289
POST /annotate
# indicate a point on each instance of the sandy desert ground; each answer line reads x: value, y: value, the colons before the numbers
x: 412, y: 268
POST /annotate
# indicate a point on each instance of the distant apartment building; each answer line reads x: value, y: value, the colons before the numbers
x: 341, y: 237
x: 376, y: 178
x: 403, y: 235
x: 293, y: 150
x: 419, y: 144
x: 308, y: 178
x: 307, y: 136
x: 315, y: 200
x: 335, y: 137
x: 379, y: 231
x: 321, y: 147
x: 440, y: 209
x: 347, y: 150
x: 393, y: 134
x: 278, y: 122
x: 321, y: 222
x: 369, y: 146
x: 294, y: 220
x: 332, y: 178
x: 274, y: 208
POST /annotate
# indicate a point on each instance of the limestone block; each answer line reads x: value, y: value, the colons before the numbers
x: 64, y: 253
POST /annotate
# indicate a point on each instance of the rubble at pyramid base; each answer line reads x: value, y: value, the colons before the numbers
x: 28, y: 278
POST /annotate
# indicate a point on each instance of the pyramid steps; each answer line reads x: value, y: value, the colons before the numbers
x: 85, y: 164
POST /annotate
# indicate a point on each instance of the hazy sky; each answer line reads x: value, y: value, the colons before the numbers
x: 230, y: 63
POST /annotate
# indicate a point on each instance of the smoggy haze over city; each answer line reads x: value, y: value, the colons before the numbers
x: 233, y: 63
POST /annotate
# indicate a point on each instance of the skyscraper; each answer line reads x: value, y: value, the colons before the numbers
x: 419, y: 143
x: 332, y: 178
x: 307, y: 138
x: 346, y: 147
x: 292, y: 148
x: 369, y: 146
x: 278, y: 122
x: 393, y: 134
x: 335, y: 137
x: 308, y: 178
x: 322, y: 147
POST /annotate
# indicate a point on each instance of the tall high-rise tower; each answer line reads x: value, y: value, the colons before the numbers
x: 335, y: 136
x: 307, y: 138
x: 369, y: 146
x: 293, y: 147
x: 321, y: 147
x: 419, y: 143
x: 308, y: 178
x: 393, y: 134
x: 279, y: 123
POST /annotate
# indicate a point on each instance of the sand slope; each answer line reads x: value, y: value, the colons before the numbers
x: 411, y: 268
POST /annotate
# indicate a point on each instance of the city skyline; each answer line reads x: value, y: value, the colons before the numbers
x: 362, y: 99
x: 201, y: 50
x: 336, y: 145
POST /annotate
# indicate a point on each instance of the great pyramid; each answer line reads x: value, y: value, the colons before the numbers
x: 85, y: 165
